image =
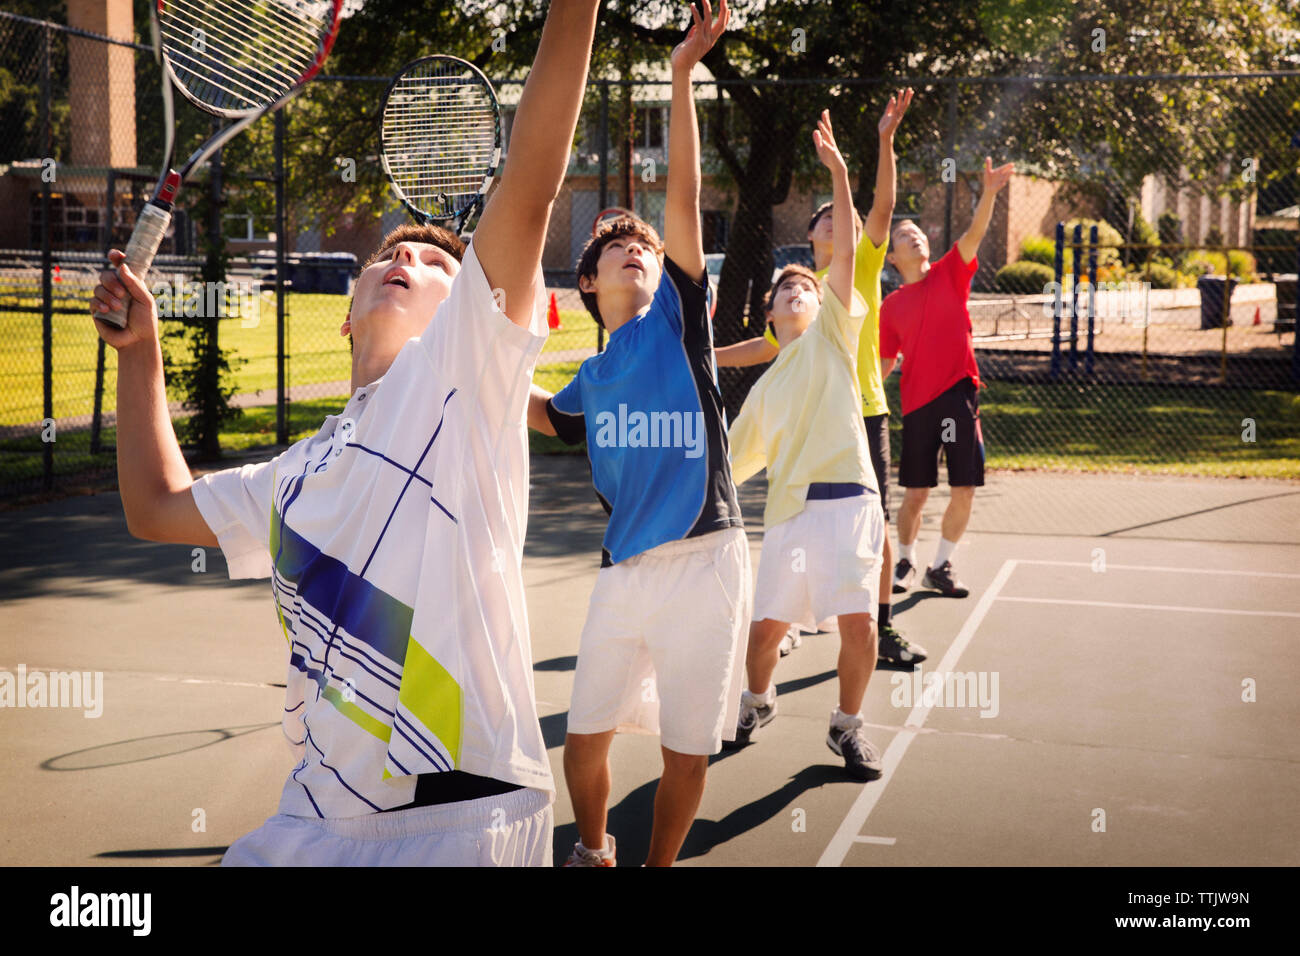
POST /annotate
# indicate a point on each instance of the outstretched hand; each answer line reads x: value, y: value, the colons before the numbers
x: 894, y: 111
x: 995, y: 179
x: 824, y: 142
x: 702, y: 35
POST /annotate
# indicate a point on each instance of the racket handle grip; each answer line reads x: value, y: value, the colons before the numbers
x: 145, y: 240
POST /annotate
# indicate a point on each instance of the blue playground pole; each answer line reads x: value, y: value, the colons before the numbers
x: 1074, y: 297
x: 1092, y: 297
x: 1056, y: 306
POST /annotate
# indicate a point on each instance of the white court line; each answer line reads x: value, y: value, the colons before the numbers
x: 880, y: 841
x: 856, y: 818
x: 1153, y: 607
x: 1142, y: 567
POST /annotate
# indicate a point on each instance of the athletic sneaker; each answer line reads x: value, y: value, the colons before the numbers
x: 894, y: 648
x: 943, y: 581
x: 581, y: 856
x: 904, y: 575
x: 752, y: 716
x: 861, y: 758
x: 793, y: 638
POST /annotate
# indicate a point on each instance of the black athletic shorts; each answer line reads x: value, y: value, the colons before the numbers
x: 878, y: 443
x: 949, y: 426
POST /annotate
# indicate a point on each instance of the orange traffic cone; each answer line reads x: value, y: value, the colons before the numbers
x: 553, y: 314
x: 1256, y: 322
x: 57, y: 277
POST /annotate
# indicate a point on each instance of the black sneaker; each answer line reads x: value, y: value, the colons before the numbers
x: 904, y: 575
x: 752, y: 717
x: 942, y: 580
x: 894, y: 648
x: 861, y: 758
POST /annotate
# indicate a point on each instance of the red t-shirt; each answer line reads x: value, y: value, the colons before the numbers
x: 929, y: 323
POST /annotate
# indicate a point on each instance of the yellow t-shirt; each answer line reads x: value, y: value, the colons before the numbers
x: 870, y: 259
x: 802, y: 419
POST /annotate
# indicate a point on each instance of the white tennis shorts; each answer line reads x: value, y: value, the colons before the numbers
x: 509, y: 829
x: 823, y: 562
x: 664, y: 643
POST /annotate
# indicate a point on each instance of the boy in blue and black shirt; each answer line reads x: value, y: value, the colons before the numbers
x: 670, y: 608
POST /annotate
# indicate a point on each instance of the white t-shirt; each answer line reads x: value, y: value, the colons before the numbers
x: 394, y: 540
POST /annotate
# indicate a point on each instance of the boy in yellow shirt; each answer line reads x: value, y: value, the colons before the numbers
x: 871, y: 244
x: 824, y: 526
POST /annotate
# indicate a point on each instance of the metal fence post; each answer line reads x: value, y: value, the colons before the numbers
x: 47, y: 265
x: 1092, y: 296
x: 281, y: 398
x: 1059, y: 267
x: 1077, y: 274
x: 97, y: 416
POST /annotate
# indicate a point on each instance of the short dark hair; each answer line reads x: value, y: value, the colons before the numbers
x: 607, y: 232
x: 794, y: 269
x: 822, y: 210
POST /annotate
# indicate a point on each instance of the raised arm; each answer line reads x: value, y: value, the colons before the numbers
x: 152, y: 476
x: 840, y: 274
x: 882, y: 206
x: 512, y: 229
x: 994, y: 179
x: 683, y: 242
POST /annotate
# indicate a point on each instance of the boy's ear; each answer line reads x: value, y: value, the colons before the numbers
x: 346, y: 328
x: 587, y: 284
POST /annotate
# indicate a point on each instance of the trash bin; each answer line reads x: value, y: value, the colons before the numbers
x: 1213, y: 310
x: 327, y: 272
x: 1286, y: 289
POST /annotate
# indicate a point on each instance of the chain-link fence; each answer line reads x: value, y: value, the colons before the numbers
x: 1115, y: 350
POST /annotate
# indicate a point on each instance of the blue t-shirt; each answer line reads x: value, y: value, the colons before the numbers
x: 651, y: 413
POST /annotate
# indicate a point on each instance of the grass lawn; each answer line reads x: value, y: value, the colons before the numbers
x: 1133, y: 428
x: 317, y: 352
x: 1125, y: 429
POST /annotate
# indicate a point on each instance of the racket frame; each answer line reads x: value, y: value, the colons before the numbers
x: 155, y: 216
x: 463, y: 216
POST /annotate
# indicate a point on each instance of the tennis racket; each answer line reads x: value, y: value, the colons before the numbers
x: 440, y: 138
x: 235, y: 59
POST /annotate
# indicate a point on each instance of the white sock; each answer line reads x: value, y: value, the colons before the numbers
x: 844, y: 721
x: 907, y: 552
x: 946, y: 548
x: 764, y: 699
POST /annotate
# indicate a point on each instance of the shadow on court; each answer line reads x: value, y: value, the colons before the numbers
x: 631, y: 817
x: 153, y: 747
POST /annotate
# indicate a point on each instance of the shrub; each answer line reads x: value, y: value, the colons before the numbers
x: 1170, y: 228
x: 1242, y: 265
x: 1160, y: 275
x: 1038, y: 249
x: 1214, y: 236
x: 1202, y: 262
x: 1143, y: 234
x: 1023, y: 278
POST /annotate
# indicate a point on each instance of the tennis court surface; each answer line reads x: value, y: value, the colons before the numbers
x: 1120, y: 691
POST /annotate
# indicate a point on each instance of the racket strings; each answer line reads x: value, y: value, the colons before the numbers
x: 440, y: 138
x: 236, y: 56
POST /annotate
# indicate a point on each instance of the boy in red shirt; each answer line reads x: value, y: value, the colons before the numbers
x: 927, y: 321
